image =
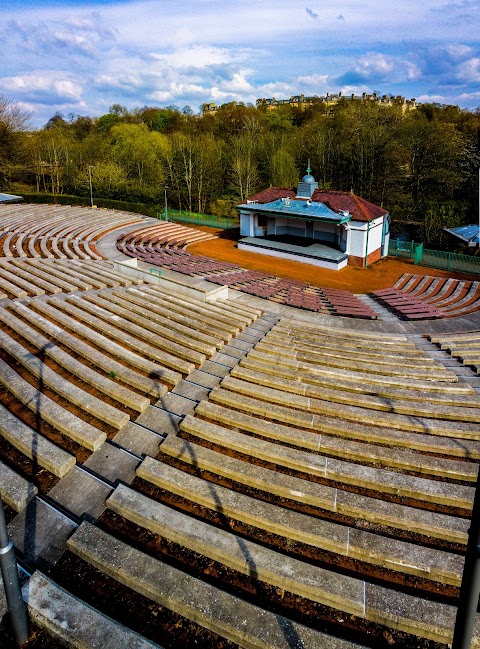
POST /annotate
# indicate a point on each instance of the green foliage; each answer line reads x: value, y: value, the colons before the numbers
x: 436, y: 218
x: 421, y: 165
x: 106, y: 122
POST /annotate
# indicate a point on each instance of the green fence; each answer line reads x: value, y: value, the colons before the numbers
x: 451, y: 261
x: 408, y: 249
x: 434, y: 258
x: 221, y: 222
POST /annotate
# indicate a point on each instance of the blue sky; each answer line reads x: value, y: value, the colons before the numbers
x: 81, y: 57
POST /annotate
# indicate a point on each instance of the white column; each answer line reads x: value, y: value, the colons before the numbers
x: 349, y: 239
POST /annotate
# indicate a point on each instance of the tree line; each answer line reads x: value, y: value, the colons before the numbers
x: 420, y: 165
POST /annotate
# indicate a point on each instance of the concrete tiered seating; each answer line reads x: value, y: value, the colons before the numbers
x: 166, y: 234
x: 282, y: 291
x: 71, y: 231
x: 34, y: 277
x: 464, y: 346
x: 263, y: 435
x: 310, y: 485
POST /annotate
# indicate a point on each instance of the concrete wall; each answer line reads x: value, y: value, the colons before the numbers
x: 197, y: 289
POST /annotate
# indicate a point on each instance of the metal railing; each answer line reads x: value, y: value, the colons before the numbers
x: 450, y: 261
x: 221, y: 222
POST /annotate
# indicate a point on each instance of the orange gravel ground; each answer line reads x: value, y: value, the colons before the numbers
x: 382, y: 274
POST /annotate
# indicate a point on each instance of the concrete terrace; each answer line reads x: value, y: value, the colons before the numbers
x: 186, y: 464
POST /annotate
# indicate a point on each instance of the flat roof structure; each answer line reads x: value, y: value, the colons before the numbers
x: 10, y: 198
x: 469, y: 234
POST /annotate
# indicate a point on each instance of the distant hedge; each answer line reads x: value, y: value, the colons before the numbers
x: 65, y: 199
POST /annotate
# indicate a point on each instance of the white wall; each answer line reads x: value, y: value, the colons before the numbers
x: 358, y: 243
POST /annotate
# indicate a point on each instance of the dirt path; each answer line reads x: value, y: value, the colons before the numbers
x: 382, y: 274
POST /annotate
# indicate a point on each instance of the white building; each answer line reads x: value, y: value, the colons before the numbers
x: 325, y: 228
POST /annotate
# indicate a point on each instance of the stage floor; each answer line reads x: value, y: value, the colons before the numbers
x: 309, y: 248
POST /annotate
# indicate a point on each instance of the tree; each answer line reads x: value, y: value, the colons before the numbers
x: 140, y: 153
x: 14, y: 121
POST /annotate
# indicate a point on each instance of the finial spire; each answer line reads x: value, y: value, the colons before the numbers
x: 308, y: 168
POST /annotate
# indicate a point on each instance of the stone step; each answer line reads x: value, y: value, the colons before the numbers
x: 230, y: 617
x: 374, y: 402
x: 85, y: 373
x: 434, y: 371
x: 106, y: 344
x: 80, y: 272
x: 465, y: 397
x: 27, y: 285
x: 91, y: 354
x: 303, y: 329
x: 278, y: 337
x: 12, y: 289
x: 79, y: 310
x: 397, y: 452
x: 298, y: 410
x: 35, y: 268
x: 319, y: 535
x: 139, y: 303
x: 201, y: 313
x: 149, y: 331
x: 212, y: 309
x: 320, y: 468
x: 22, y: 272
x: 105, y: 270
x: 33, y: 445
x: 69, y: 391
x: 186, y: 317
x: 240, y: 308
x: 15, y: 491
x: 168, y: 334
x: 60, y: 272
x: 72, y: 622
x: 294, y: 368
x: 69, y: 424
x: 362, y: 511
x: 442, y: 339
x: 242, y: 555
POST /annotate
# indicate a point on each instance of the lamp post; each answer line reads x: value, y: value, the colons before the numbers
x: 90, y: 167
x: 11, y: 583
x: 166, y: 213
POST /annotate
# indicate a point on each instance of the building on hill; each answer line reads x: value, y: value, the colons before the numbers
x: 329, y: 100
x: 325, y: 228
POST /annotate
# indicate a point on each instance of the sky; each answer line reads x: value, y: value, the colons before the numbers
x: 79, y: 57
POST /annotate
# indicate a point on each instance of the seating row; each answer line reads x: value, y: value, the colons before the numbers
x: 33, y: 277
x: 63, y: 232
x: 282, y: 291
x: 413, y: 295
x: 164, y: 235
x: 465, y: 347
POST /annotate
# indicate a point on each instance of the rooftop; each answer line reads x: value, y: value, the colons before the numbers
x: 9, y: 198
x: 335, y: 201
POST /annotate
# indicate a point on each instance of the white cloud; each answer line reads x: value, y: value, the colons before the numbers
x: 139, y: 51
x: 428, y: 99
x: 196, y: 56
x: 469, y: 71
x: 43, y: 87
x: 176, y: 91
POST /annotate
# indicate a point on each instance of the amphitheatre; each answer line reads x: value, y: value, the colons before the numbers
x: 199, y: 452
